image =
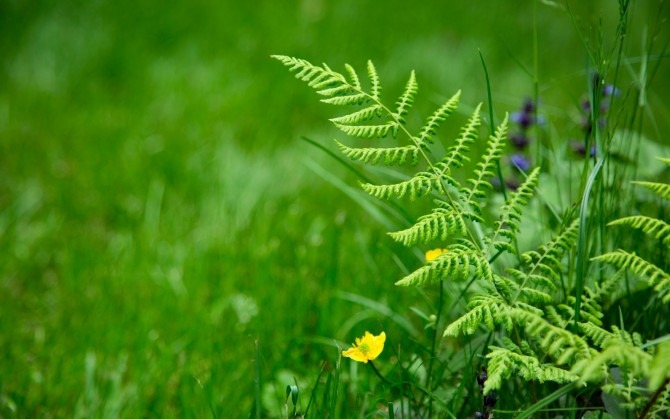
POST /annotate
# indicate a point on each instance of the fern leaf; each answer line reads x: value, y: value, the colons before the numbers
x: 374, y: 81
x: 355, y: 81
x: 441, y: 223
x: 616, y: 352
x: 533, y: 279
x: 460, y: 262
x: 596, y: 333
x: 419, y: 185
x: 315, y: 76
x: 624, y: 260
x: 657, y: 228
x: 558, y: 342
x: 483, y: 309
x: 508, y: 224
x: 547, y: 259
x: 486, y: 167
x: 368, y: 131
x: 439, y: 116
x: 390, y: 155
x: 406, y: 99
x: 350, y: 99
x: 456, y: 154
x: 510, y: 290
x: 362, y: 115
x: 504, y: 364
x: 660, y: 189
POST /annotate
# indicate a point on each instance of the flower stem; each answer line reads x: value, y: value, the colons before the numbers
x: 378, y: 374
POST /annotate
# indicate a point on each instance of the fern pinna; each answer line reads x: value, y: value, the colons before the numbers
x: 537, y: 337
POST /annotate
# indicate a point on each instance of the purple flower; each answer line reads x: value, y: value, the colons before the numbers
x: 520, y: 162
x: 524, y: 119
x: 519, y: 140
x: 528, y: 106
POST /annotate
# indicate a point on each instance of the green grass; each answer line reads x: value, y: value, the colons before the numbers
x: 166, y: 234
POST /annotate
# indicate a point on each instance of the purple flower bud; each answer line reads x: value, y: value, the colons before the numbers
x: 520, y: 162
x: 524, y: 119
x: 519, y: 140
x: 528, y: 106
x: 482, y: 376
x: 490, y: 400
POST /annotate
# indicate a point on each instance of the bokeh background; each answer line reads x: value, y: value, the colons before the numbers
x: 171, y: 247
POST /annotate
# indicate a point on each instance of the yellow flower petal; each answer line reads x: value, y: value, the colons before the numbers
x: 431, y: 255
x: 366, y: 348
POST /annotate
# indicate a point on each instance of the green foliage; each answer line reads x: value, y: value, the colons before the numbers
x: 544, y: 339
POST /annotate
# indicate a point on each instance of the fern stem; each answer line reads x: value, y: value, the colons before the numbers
x: 653, y: 399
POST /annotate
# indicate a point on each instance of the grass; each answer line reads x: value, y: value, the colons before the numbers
x: 171, y: 248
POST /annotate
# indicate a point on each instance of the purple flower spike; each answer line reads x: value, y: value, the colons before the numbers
x: 522, y: 118
x: 528, y: 106
x: 520, y: 162
x: 519, y: 140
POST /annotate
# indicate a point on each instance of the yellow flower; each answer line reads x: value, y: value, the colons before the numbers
x: 431, y: 255
x: 366, y: 348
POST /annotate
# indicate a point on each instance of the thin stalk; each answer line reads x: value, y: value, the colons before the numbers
x: 433, y: 350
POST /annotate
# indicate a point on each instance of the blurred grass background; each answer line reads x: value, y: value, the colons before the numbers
x: 162, y: 228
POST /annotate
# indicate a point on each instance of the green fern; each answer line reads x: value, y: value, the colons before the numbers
x: 459, y: 263
x: 521, y: 303
x: 504, y: 363
x: 658, y: 278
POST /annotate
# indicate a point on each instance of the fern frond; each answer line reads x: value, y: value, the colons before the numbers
x: 616, y: 352
x: 362, y: 115
x: 376, y: 88
x: 355, y: 81
x: 483, y: 309
x: 441, y: 223
x: 554, y: 317
x: 511, y: 290
x: 659, y: 229
x: 504, y: 364
x: 406, y: 99
x: 389, y: 155
x: 538, y: 280
x: 368, y: 131
x: 422, y: 183
x: 543, y: 267
x: 659, y: 279
x: 660, y: 189
x: 558, y: 342
x: 351, y: 99
x: 456, y: 154
x: 316, y: 77
x: 508, y: 224
x: 486, y: 168
x: 460, y: 262
x: 439, y: 116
